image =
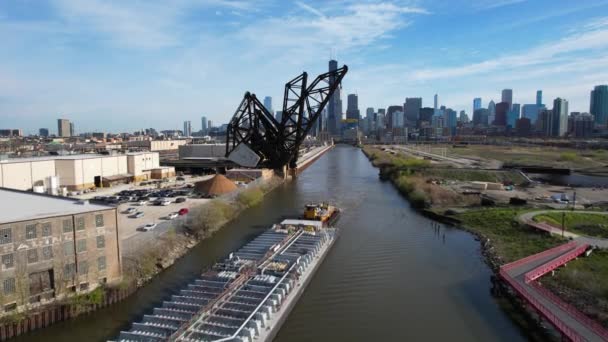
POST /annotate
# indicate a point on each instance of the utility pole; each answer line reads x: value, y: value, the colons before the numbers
x: 563, y: 222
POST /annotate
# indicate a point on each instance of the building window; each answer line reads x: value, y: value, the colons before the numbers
x: 99, y: 220
x: 6, y: 236
x: 8, y: 261
x: 68, y: 248
x: 32, y: 256
x: 80, y: 223
x: 83, y: 267
x: 47, y: 229
x: 69, y: 270
x: 81, y: 246
x: 101, y: 263
x: 47, y: 252
x: 67, y: 226
x: 101, y: 241
x: 30, y: 231
x: 9, y: 286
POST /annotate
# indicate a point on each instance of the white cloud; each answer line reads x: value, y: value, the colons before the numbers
x: 492, y: 4
x: 310, y: 9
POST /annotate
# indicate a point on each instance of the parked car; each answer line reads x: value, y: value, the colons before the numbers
x: 172, y: 216
x: 138, y: 214
x: 183, y: 211
x: 141, y: 202
x: 180, y: 200
x: 180, y: 178
x: 130, y: 210
x: 147, y: 227
x: 165, y: 202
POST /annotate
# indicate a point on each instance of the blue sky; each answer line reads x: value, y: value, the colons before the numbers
x: 120, y: 65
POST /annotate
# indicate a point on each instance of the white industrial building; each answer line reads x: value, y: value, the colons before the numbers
x: 76, y: 172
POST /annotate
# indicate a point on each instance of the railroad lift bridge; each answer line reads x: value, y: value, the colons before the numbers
x: 255, y: 138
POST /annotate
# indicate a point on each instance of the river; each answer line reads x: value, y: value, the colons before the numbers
x: 391, y: 276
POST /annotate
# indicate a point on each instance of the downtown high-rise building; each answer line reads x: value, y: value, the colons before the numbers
x: 63, y: 128
x: 204, y: 125
x: 598, y: 104
x: 411, y: 109
x: 352, y: 107
x: 558, y: 125
x: 491, y: 112
x: 187, y: 129
x: 539, y: 98
x: 507, y: 96
x: 502, y: 110
x: 43, y: 132
x: 435, y: 101
x: 476, y: 103
x: 334, y: 106
x: 268, y: 104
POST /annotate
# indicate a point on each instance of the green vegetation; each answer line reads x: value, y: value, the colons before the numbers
x: 584, y: 282
x: 250, y: 197
x: 81, y: 302
x: 534, y: 156
x: 510, y: 240
x: 580, y: 223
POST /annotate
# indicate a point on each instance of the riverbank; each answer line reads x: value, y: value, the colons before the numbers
x: 502, y: 237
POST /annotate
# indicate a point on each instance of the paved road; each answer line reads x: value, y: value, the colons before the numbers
x: 527, y: 218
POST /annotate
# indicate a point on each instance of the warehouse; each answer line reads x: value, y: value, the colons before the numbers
x: 51, y: 247
x: 76, y: 172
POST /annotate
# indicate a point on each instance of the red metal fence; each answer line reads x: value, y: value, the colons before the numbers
x: 533, y: 257
x: 544, y: 311
x: 579, y: 316
x: 555, y: 263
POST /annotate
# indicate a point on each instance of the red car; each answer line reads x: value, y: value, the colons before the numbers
x: 183, y: 211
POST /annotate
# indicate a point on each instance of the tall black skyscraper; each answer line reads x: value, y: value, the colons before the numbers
x: 411, y: 108
x: 334, y: 107
x: 352, y: 107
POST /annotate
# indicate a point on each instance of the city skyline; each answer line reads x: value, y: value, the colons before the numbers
x: 86, y: 64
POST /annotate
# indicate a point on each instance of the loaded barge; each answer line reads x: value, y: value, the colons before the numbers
x: 247, y: 296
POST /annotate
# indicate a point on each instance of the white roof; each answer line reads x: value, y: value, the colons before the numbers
x: 18, y: 205
x: 71, y: 157
x: 293, y: 222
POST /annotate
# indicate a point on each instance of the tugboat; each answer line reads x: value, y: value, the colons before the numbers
x: 324, y: 212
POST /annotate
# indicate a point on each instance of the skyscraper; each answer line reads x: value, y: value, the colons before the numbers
x: 491, y: 112
x: 411, y: 108
x: 352, y: 107
x: 513, y: 115
x: 72, y: 130
x: 476, y: 103
x: 539, y: 98
x: 204, y: 124
x: 507, y: 96
x: 502, y: 108
x: 43, y: 132
x: 334, y: 106
x: 435, y: 99
x: 268, y: 104
x: 531, y: 111
x: 187, y: 129
x: 389, y: 115
x: 559, y: 120
x: 63, y: 128
x: 599, y: 104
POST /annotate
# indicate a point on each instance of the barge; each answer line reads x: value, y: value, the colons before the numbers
x: 248, y: 295
x: 324, y: 212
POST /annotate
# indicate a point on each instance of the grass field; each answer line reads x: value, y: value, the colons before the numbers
x: 510, y: 240
x: 468, y: 175
x: 584, y: 282
x: 536, y: 156
x: 580, y: 223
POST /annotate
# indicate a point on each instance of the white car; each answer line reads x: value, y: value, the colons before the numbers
x: 172, y: 216
x: 165, y: 202
x: 130, y: 210
x: 147, y: 227
x: 142, y: 203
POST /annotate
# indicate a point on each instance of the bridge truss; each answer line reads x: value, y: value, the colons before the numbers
x: 277, y: 143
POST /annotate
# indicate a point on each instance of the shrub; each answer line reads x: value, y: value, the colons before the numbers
x: 250, y: 197
x: 568, y: 156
